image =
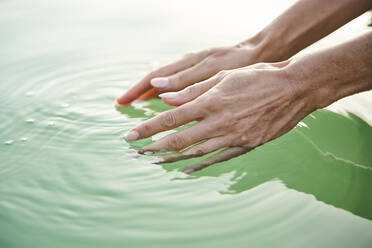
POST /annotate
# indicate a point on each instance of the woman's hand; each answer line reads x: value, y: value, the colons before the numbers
x: 192, y: 68
x: 247, y: 107
x: 283, y: 37
x: 244, y: 107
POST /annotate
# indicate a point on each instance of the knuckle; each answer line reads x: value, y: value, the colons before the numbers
x: 146, y: 128
x: 209, y: 62
x: 228, y: 121
x: 221, y: 74
x: 168, y: 119
x: 177, y: 80
x: 200, y: 150
x: 176, y: 142
x: 190, y: 91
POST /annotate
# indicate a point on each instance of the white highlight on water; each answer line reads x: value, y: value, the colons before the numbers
x: 30, y: 93
x: 8, y: 142
x: 30, y: 120
x: 302, y: 124
x: 64, y: 105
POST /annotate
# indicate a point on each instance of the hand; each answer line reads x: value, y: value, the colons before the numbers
x: 192, y: 68
x: 244, y: 108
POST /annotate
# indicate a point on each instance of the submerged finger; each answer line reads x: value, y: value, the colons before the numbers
x: 173, y: 157
x: 208, y: 146
x: 181, y: 139
x: 221, y: 156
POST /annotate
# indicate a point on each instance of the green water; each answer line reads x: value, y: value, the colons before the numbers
x: 68, y: 179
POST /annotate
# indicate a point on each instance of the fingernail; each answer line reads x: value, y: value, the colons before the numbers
x: 169, y: 95
x: 189, y: 170
x: 132, y: 135
x: 161, y: 82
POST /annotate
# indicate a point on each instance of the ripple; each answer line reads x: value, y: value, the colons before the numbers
x: 69, y: 179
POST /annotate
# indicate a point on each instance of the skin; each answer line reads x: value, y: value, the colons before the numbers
x: 286, y: 35
x: 273, y: 97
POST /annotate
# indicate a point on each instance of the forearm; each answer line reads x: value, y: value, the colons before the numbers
x: 304, y: 23
x: 326, y: 76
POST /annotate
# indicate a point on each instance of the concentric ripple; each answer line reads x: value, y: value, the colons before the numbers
x: 69, y: 179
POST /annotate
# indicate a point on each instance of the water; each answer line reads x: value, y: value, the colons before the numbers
x: 68, y: 178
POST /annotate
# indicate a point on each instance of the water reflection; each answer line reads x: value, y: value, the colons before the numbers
x: 329, y: 158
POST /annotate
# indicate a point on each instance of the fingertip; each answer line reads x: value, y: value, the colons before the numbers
x: 123, y: 100
x: 132, y: 135
x: 118, y: 104
x: 188, y: 170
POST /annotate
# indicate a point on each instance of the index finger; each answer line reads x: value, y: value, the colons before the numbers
x: 144, y: 85
x: 165, y: 121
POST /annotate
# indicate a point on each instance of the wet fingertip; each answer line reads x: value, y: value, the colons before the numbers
x: 141, y: 150
x: 157, y: 160
x: 132, y: 135
x: 118, y: 104
x: 188, y: 170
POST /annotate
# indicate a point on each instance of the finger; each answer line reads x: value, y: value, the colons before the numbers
x: 165, y: 121
x: 223, y: 155
x: 150, y: 93
x: 190, y: 93
x: 184, y: 78
x: 208, y: 146
x: 181, y: 139
x: 144, y: 85
x: 173, y: 157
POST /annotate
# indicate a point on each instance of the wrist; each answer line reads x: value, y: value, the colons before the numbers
x: 267, y: 46
x: 306, y: 84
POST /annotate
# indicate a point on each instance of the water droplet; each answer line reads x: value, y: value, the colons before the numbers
x: 23, y: 139
x: 51, y: 123
x: 30, y: 120
x: 8, y: 142
x: 131, y: 154
x: 30, y: 93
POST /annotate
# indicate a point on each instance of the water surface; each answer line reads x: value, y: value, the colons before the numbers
x: 66, y: 175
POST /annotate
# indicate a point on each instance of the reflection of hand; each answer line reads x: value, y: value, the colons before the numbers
x: 192, y: 68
